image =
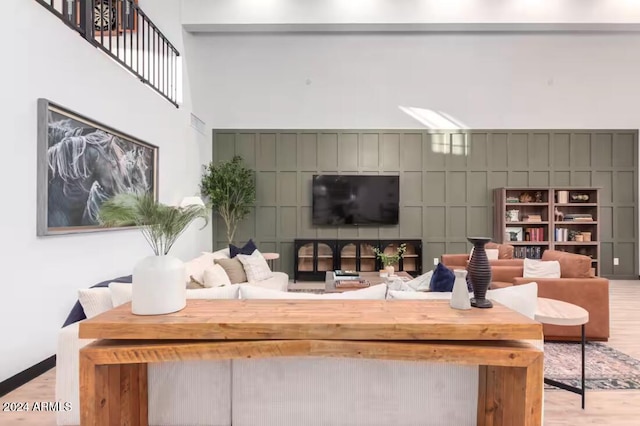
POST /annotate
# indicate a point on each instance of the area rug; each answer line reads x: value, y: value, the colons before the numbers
x: 606, y: 368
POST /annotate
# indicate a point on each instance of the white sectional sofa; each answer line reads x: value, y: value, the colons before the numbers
x: 293, y: 391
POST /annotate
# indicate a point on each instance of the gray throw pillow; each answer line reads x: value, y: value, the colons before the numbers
x: 234, y: 269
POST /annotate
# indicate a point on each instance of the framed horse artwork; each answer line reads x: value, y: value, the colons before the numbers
x: 82, y: 163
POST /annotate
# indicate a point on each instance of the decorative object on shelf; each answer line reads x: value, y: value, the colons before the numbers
x: 572, y: 234
x: 479, y: 272
x: 513, y: 215
x: 388, y: 260
x: 579, y: 198
x: 512, y: 200
x: 81, y: 163
x: 586, y: 236
x: 230, y: 189
x: 460, y: 294
x: 532, y: 218
x: 562, y: 197
x: 538, y: 196
x: 525, y: 197
x: 158, y: 281
x: 515, y: 233
x: 559, y: 216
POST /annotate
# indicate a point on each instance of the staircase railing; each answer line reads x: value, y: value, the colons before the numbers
x: 122, y: 30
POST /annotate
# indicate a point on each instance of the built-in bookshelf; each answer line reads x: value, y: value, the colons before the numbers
x: 536, y: 219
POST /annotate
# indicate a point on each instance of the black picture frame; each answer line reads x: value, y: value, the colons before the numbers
x: 81, y: 163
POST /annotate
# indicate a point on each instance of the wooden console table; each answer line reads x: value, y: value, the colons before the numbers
x: 113, y: 371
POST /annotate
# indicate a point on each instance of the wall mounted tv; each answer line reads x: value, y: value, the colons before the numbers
x: 355, y: 200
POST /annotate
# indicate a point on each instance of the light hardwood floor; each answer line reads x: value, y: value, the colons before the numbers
x: 605, y: 408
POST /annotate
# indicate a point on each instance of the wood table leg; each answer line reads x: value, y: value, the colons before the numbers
x: 113, y: 394
x: 510, y: 396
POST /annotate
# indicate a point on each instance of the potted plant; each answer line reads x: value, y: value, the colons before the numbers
x: 158, y: 281
x: 390, y: 259
x: 231, y: 190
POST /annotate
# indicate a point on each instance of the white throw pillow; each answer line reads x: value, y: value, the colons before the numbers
x: 255, y: 266
x: 541, y: 268
x: 521, y: 298
x: 421, y: 283
x: 121, y: 293
x: 215, y: 276
x: 376, y: 292
x: 195, y: 267
x: 95, y: 301
x: 492, y: 254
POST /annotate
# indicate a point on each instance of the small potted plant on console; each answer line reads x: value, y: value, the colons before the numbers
x: 390, y: 259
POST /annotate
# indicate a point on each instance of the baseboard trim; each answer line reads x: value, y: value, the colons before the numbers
x: 14, y: 382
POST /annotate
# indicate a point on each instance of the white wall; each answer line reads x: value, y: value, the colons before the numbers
x: 483, y: 80
x: 505, y: 80
x: 40, y: 276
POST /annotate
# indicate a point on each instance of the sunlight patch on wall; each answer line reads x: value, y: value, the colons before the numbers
x: 449, y: 143
x: 433, y: 119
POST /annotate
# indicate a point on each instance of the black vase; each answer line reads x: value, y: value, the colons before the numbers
x: 479, y: 272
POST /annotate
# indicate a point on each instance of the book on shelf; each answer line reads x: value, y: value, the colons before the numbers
x: 345, y: 277
x: 533, y: 218
x: 578, y: 217
x: 359, y: 283
x: 534, y: 234
x: 530, y: 252
x: 562, y: 234
x: 346, y: 273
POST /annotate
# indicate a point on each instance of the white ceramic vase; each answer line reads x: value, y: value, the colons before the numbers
x: 460, y: 295
x: 158, y: 286
x: 390, y: 270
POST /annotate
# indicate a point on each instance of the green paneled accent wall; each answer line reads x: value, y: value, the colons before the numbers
x: 446, y: 182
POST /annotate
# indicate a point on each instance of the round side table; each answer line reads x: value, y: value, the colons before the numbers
x: 557, y: 312
x: 270, y: 257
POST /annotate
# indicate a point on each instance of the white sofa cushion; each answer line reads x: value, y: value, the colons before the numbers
x: 121, y: 293
x: 215, y: 276
x: 420, y: 283
x: 194, y: 269
x: 255, y: 266
x: 541, y: 268
x: 521, y: 298
x: 376, y: 292
x: 95, y: 300
x: 492, y: 254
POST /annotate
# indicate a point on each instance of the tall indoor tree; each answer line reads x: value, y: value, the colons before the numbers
x: 230, y: 189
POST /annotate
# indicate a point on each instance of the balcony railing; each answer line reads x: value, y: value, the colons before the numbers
x: 124, y: 32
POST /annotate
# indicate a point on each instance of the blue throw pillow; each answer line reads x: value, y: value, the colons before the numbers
x: 442, y: 279
x: 248, y: 248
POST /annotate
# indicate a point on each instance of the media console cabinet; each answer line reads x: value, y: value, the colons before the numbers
x: 314, y: 257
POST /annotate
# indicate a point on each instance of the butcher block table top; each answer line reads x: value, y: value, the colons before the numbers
x: 314, y: 319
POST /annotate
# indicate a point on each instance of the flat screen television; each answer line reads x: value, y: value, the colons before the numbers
x: 355, y: 200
